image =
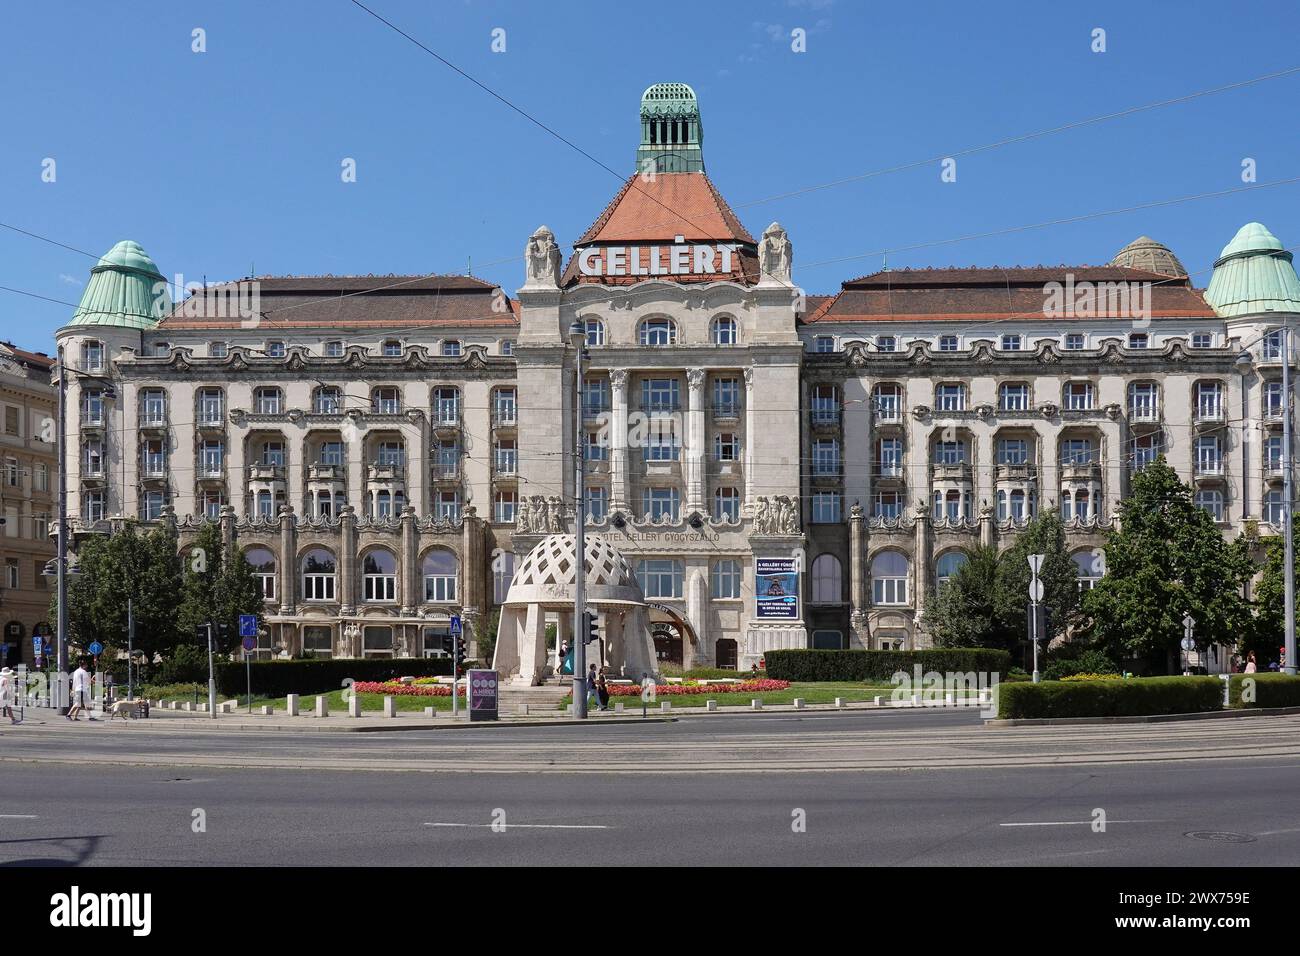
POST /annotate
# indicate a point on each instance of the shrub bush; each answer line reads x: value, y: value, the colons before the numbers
x: 278, y: 678
x: 880, y: 666
x: 1270, y: 690
x: 1089, y: 662
x: 184, y: 664
x: 1136, y: 697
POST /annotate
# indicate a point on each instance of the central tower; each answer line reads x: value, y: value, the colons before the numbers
x: 672, y: 137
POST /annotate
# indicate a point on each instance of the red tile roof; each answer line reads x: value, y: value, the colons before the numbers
x: 35, y: 359
x: 357, y: 302
x: 981, y: 294
x: 654, y: 211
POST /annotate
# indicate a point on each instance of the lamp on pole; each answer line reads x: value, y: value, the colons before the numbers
x: 578, y: 339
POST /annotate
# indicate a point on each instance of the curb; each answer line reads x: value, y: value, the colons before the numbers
x: 998, y: 723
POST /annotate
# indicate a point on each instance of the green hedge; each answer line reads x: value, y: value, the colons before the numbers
x: 1135, y: 697
x: 880, y: 666
x: 1271, y: 690
x: 317, y: 676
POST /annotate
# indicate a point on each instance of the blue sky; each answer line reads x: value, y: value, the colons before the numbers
x: 229, y: 160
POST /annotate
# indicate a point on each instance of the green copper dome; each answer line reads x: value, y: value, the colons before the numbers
x: 1253, y: 274
x: 125, y: 290
x: 672, y: 133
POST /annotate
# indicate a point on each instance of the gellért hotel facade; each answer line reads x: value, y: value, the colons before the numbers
x: 381, y: 447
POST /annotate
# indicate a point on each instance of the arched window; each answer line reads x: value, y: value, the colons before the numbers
x: 724, y: 330
x: 263, y: 564
x: 659, y: 331
x: 1089, y: 566
x: 827, y: 580
x: 439, y: 570
x: 948, y: 565
x: 379, y: 576
x: 595, y: 332
x: 319, y: 573
x: 889, y: 572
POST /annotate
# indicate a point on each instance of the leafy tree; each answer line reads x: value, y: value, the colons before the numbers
x: 1044, y: 535
x: 962, y: 613
x: 1166, y: 559
x: 218, y: 586
x: 1270, y: 622
x: 133, y: 565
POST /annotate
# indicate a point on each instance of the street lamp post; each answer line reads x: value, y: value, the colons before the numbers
x: 578, y: 338
x: 1288, y: 493
x: 60, y: 701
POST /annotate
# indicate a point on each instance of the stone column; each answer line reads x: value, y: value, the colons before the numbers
x: 921, y: 562
x: 860, y: 637
x: 988, y: 526
x: 227, y: 525
x: 288, y: 560
x: 697, y: 593
x: 749, y: 436
x: 474, y: 568
x: 407, y: 588
x: 347, y: 559
x: 695, y: 440
x: 617, y: 438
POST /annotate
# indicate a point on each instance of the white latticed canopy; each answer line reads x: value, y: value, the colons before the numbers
x: 545, y: 576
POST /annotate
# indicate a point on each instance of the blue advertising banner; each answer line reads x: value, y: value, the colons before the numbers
x: 776, y: 589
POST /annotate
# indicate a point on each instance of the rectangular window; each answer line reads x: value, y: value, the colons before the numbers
x: 950, y: 398
x: 597, y: 503
x: 387, y: 401
x: 1011, y: 343
x: 503, y: 406
x: 211, y: 458
x: 211, y: 406
x: 825, y: 405
x: 1273, y: 344
x: 595, y: 396
x: 446, y: 406
x: 1209, y: 456
x: 726, y: 446
x: 887, y: 403
x: 503, y: 507
x: 660, y: 504
x: 267, y: 401
x: 887, y: 504
x: 1203, y: 340
x: 506, y: 457
x: 826, y: 507
x: 726, y: 397
x: 11, y: 573
x: 92, y: 506
x: 152, y: 505
x: 153, y: 406
x: 1014, y: 397
x: 1075, y: 341
x: 42, y: 476
x: 93, y: 459
x: 725, y: 580
x: 660, y: 578
x: 661, y: 442
x: 1013, y: 451
x: 824, y: 344
x: 597, y: 449
x: 1076, y: 451
x: 1078, y: 396
x: 889, y: 458
x: 660, y: 395
x: 218, y: 350
x: 826, y: 456
x: 886, y: 343
x: 446, y: 505
x: 948, y: 343
x: 1138, y: 340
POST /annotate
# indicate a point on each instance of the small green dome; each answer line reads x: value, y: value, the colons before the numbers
x: 125, y: 290
x: 1253, y: 275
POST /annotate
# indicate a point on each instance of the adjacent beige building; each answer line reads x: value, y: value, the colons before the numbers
x: 27, y: 487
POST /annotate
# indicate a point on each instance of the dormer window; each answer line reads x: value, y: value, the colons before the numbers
x: 948, y: 343
x: 1011, y: 343
x: 1138, y: 340
x: 333, y: 349
x: 275, y: 350
x: 886, y: 343
x: 824, y: 344
x: 451, y: 348
x: 392, y: 348
x: 218, y: 350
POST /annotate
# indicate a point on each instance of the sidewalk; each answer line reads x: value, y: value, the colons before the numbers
x: 373, y: 721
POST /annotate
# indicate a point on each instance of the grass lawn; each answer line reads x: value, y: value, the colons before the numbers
x: 811, y: 692
x: 334, y: 699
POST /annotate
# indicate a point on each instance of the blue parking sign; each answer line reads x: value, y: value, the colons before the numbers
x: 248, y: 625
x: 455, y: 625
x: 95, y: 648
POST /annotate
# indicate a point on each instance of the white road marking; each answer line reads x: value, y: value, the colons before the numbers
x: 1072, y: 823
x: 1275, y: 832
x: 527, y: 826
x: 18, y: 816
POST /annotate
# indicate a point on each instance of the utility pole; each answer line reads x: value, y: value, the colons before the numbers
x: 130, y: 650
x: 61, y: 639
x: 578, y: 336
x: 1288, y: 492
x: 212, y: 681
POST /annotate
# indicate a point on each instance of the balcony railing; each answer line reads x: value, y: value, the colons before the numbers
x: 951, y: 471
x: 1016, y: 471
x: 266, y: 472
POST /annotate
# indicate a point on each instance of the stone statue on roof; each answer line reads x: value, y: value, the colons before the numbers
x: 542, y: 259
x: 774, y: 254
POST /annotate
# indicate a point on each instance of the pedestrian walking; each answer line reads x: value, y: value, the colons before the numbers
x: 1250, y: 663
x: 602, y: 689
x: 81, y: 685
x: 7, y: 682
x: 592, y: 692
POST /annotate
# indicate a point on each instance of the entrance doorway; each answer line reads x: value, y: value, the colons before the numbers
x: 668, y: 644
x: 725, y: 653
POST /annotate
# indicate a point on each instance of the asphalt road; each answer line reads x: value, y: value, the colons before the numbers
x: 108, y: 815
x: 881, y: 787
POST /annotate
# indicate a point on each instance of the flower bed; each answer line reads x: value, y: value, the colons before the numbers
x: 396, y: 689
x: 671, y: 690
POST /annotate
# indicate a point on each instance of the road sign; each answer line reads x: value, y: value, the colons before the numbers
x: 1036, y: 563
x: 1035, y: 590
x: 455, y: 625
x: 36, y: 646
x: 1189, y: 625
x: 249, y: 643
x: 248, y: 626
x: 1189, y: 645
x: 95, y: 648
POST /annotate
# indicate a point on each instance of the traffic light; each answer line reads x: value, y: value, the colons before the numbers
x: 448, y: 644
x: 201, y: 633
x: 223, y: 635
x: 460, y: 651
x: 590, y: 627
